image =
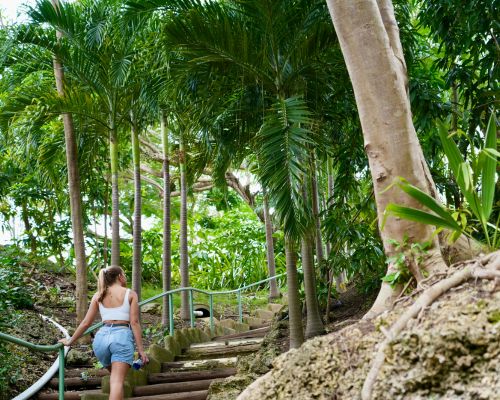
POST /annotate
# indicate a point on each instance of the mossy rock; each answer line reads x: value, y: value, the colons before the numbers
x: 196, y: 335
x: 127, y: 388
x: 241, y: 327
x: 227, y: 323
x: 228, y: 331
x: 206, y: 335
x: 137, y: 377
x: 181, y: 339
x: 188, y: 335
x: 160, y: 353
x: 172, y: 345
x: 154, y: 365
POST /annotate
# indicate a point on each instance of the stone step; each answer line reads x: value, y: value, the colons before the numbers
x: 167, y: 388
x: 170, y: 377
x: 67, y: 395
x: 259, y: 332
x: 218, y: 351
x: 196, y: 365
x: 196, y: 395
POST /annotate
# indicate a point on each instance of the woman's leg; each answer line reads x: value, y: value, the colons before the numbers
x: 118, y: 372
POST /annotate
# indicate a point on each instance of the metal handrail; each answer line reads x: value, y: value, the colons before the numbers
x: 60, y: 348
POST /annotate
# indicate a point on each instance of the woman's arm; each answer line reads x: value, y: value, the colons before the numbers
x: 136, y: 326
x: 85, y: 324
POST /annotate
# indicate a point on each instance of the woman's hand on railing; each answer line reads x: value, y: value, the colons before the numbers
x: 65, y: 342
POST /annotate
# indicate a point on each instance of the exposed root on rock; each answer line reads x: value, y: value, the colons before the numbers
x: 487, y: 267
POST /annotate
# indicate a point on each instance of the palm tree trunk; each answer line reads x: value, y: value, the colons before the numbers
x: 314, y: 325
x: 106, y: 206
x: 329, y: 201
x: 167, y: 239
x: 115, y: 203
x: 294, y: 309
x: 185, y: 312
x: 317, y: 221
x: 271, y: 266
x: 137, y: 228
x: 369, y: 38
x: 74, y: 194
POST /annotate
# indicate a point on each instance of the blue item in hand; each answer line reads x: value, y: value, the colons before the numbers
x: 137, y: 364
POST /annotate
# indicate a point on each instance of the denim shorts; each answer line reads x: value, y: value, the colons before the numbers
x: 114, y: 344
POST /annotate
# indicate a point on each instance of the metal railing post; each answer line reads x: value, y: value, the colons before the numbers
x: 171, y: 313
x: 61, y: 373
x: 191, y: 308
x: 211, y: 306
x: 240, y: 307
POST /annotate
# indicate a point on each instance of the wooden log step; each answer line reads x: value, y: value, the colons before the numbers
x: 77, y: 372
x: 76, y: 382
x: 196, y: 365
x: 229, y: 342
x: 166, y: 388
x: 196, y: 395
x: 67, y: 395
x: 260, y: 332
x: 168, y: 377
x: 218, y: 351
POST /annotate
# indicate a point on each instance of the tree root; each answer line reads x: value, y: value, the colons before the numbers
x: 475, y: 270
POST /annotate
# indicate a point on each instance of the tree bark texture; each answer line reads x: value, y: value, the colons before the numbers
x: 314, y: 325
x: 271, y: 266
x: 167, y: 236
x: 185, y: 313
x: 294, y: 309
x: 75, y: 197
x: 369, y: 39
x: 137, y: 229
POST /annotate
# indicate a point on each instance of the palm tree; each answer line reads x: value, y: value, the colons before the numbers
x: 271, y: 266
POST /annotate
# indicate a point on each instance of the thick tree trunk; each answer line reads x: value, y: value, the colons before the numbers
x: 167, y: 239
x: 115, y: 200
x: 369, y: 39
x: 314, y: 325
x: 74, y: 194
x: 271, y: 266
x: 294, y: 311
x: 137, y: 229
x: 185, y: 313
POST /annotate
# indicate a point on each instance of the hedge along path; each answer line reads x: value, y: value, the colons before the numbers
x: 487, y: 267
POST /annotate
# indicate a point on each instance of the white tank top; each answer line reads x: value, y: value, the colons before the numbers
x: 120, y: 313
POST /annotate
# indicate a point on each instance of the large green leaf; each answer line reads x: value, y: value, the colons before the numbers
x: 461, y: 170
x: 426, y: 200
x: 489, y: 170
x: 423, y: 217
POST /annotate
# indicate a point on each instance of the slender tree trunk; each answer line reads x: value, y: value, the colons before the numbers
x: 137, y: 227
x: 294, y: 309
x: 329, y: 202
x: 369, y: 38
x: 167, y: 236
x: 27, y: 227
x: 105, y: 240
x: 271, y: 266
x: 314, y: 325
x: 115, y: 201
x: 74, y: 194
x: 185, y: 313
x: 317, y: 221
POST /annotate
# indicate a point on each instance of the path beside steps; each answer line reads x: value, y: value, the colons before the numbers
x: 182, y: 369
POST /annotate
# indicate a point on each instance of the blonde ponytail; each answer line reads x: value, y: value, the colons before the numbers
x: 107, y: 276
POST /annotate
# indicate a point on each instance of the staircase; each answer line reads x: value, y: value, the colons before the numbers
x: 183, y: 368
